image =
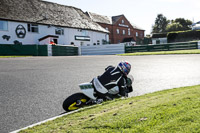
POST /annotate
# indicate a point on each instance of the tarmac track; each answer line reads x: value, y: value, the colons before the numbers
x: 32, y: 89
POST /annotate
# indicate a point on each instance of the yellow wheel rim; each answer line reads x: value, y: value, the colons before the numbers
x: 83, y: 100
x: 73, y: 105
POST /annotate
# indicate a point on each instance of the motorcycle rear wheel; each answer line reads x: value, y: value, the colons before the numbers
x: 71, y: 104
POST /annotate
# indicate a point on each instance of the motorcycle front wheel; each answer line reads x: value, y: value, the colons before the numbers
x: 75, y: 102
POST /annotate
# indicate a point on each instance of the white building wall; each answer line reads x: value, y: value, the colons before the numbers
x: 44, y: 30
x: 154, y: 41
x: 94, y: 37
x: 162, y: 40
x: 45, y: 41
x: 110, y: 49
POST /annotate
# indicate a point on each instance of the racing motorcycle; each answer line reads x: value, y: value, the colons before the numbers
x: 88, y: 95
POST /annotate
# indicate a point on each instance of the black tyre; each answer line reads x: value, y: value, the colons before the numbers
x: 70, y: 103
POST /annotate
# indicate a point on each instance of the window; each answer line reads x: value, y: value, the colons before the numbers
x: 3, y: 25
x: 129, y: 31
x: 122, y: 21
x: 59, y: 31
x: 33, y: 28
x: 55, y: 41
x: 136, y: 33
x: 124, y: 32
x: 117, y: 31
x: 98, y: 42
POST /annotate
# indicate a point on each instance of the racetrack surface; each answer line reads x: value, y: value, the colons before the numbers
x: 32, y: 89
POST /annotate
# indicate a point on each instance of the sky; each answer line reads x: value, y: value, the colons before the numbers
x: 140, y: 12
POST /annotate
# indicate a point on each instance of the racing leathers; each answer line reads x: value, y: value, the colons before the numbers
x: 112, y: 77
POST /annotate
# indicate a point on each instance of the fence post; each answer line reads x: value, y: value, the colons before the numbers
x: 49, y: 49
x: 198, y: 44
x: 79, y: 50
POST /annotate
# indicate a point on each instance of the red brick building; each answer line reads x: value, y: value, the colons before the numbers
x: 121, y: 30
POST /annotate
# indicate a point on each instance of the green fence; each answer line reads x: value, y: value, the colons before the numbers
x: 162, y: 47
x: 64, y: 50
x: 35, y: 50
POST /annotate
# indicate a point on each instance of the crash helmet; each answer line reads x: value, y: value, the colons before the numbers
x: 125, y: 67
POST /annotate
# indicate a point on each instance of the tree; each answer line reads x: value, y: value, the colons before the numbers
x: 163, y: 25
x: 174, y: 27
x: 179, y: 24
x: 184, y: 22
x: 160, y: 25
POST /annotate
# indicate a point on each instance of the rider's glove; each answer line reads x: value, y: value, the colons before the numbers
x: 99, y: 101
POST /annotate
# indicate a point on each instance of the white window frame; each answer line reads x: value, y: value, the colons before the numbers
x: 129, y: 31
x: 31, y: 28
x: 117, y: 31
x: 136, y: 34
x: 59, y: 31
x: 4, y: 26
x: 124, y: 32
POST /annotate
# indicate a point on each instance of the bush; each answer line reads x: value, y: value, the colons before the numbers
x: 171, y: 37
x: 182, y: 36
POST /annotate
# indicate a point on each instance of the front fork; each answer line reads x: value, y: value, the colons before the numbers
x: 89, y: 102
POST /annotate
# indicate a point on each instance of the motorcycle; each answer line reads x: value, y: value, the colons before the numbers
x: 89, y: 95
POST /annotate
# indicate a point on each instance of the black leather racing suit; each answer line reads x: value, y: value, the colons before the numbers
x: 113, y: 77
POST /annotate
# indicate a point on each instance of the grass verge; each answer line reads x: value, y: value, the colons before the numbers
x: 175, y: 110
x: 195, y: 51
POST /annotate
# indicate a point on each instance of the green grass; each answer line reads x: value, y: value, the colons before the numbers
x: 170, y: 111
x: 195, y: 51
x: 13, y: 56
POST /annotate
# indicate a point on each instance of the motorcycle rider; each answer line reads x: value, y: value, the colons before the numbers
x: 113, y: 77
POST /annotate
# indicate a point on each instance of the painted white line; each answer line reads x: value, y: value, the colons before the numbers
x: 50, y: 119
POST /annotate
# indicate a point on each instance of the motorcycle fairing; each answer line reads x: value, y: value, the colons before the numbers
x: 99, y: 87
x: 88, y: 90
x: 114, y: 90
